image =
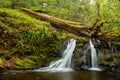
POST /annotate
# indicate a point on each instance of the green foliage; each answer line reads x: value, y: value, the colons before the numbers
x: 114, y: 35
x: 27, y: 40
x: 1, y: 63
x: 26, y: 36
x: 110, y: 12
x: 34, y: 58
x: 23, y: 31
x: 102, y: 61
x: 5, y: 3
x: 23, y: 35
x: 25, y: 63
x: 83, y: 11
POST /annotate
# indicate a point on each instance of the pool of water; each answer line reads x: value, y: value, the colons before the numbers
x: 72, y: 75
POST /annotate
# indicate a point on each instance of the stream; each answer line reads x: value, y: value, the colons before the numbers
x: 72, y: 75
x: 61, y: 69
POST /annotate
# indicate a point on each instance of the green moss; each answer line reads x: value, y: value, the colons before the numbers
x: 5, y: 55
x: 80, y: 45
x: 22, y: 30
x: 34, y: 58
x: 24, y: 63
x: 99, y: 22
x: 28, y: 40
x: 18, y: 62
x: 1, y: 63
x: 102, y: 60
x: 81, y: 39
x: 113, y: 35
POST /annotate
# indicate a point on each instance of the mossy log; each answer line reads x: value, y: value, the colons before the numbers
x: 75, y: 28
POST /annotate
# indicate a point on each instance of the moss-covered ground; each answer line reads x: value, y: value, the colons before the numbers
x: 26, y: 42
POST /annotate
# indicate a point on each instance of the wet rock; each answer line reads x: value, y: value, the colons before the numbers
x: 109, y: 59
x: 79, y: 66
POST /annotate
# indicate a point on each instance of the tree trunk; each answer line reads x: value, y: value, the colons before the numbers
x: 98, y: 8
x: 72, y: 27
x: 13, y: 4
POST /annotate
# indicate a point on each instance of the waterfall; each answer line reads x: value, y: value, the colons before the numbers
x: 64, y: 63
x: 94, y: 59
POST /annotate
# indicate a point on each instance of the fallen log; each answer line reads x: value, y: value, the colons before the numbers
x: 88, y: 31
x: 75, y: 28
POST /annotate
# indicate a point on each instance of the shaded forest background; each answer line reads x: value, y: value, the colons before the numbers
x: 83, y: 11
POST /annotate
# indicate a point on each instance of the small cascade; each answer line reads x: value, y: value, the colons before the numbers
x: 94, y: 59
x: 65, y: 61
x: 112, y: 48
x: 89, y: 56
x: 63, y: 64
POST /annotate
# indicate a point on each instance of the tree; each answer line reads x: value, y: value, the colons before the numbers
x: 98, y: 8
x: 14, y: 3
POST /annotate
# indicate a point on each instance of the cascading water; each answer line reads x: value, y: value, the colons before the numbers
x: 64, y: 63
x: 94, y: 59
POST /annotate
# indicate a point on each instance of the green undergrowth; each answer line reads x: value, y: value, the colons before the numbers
x: 113, y: 35
x: 26, y: 42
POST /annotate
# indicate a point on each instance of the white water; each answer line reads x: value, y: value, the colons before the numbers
x: 94, y: 59
x: 64, y: 63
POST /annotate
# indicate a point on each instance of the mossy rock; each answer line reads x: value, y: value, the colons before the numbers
x: 79, y: 45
